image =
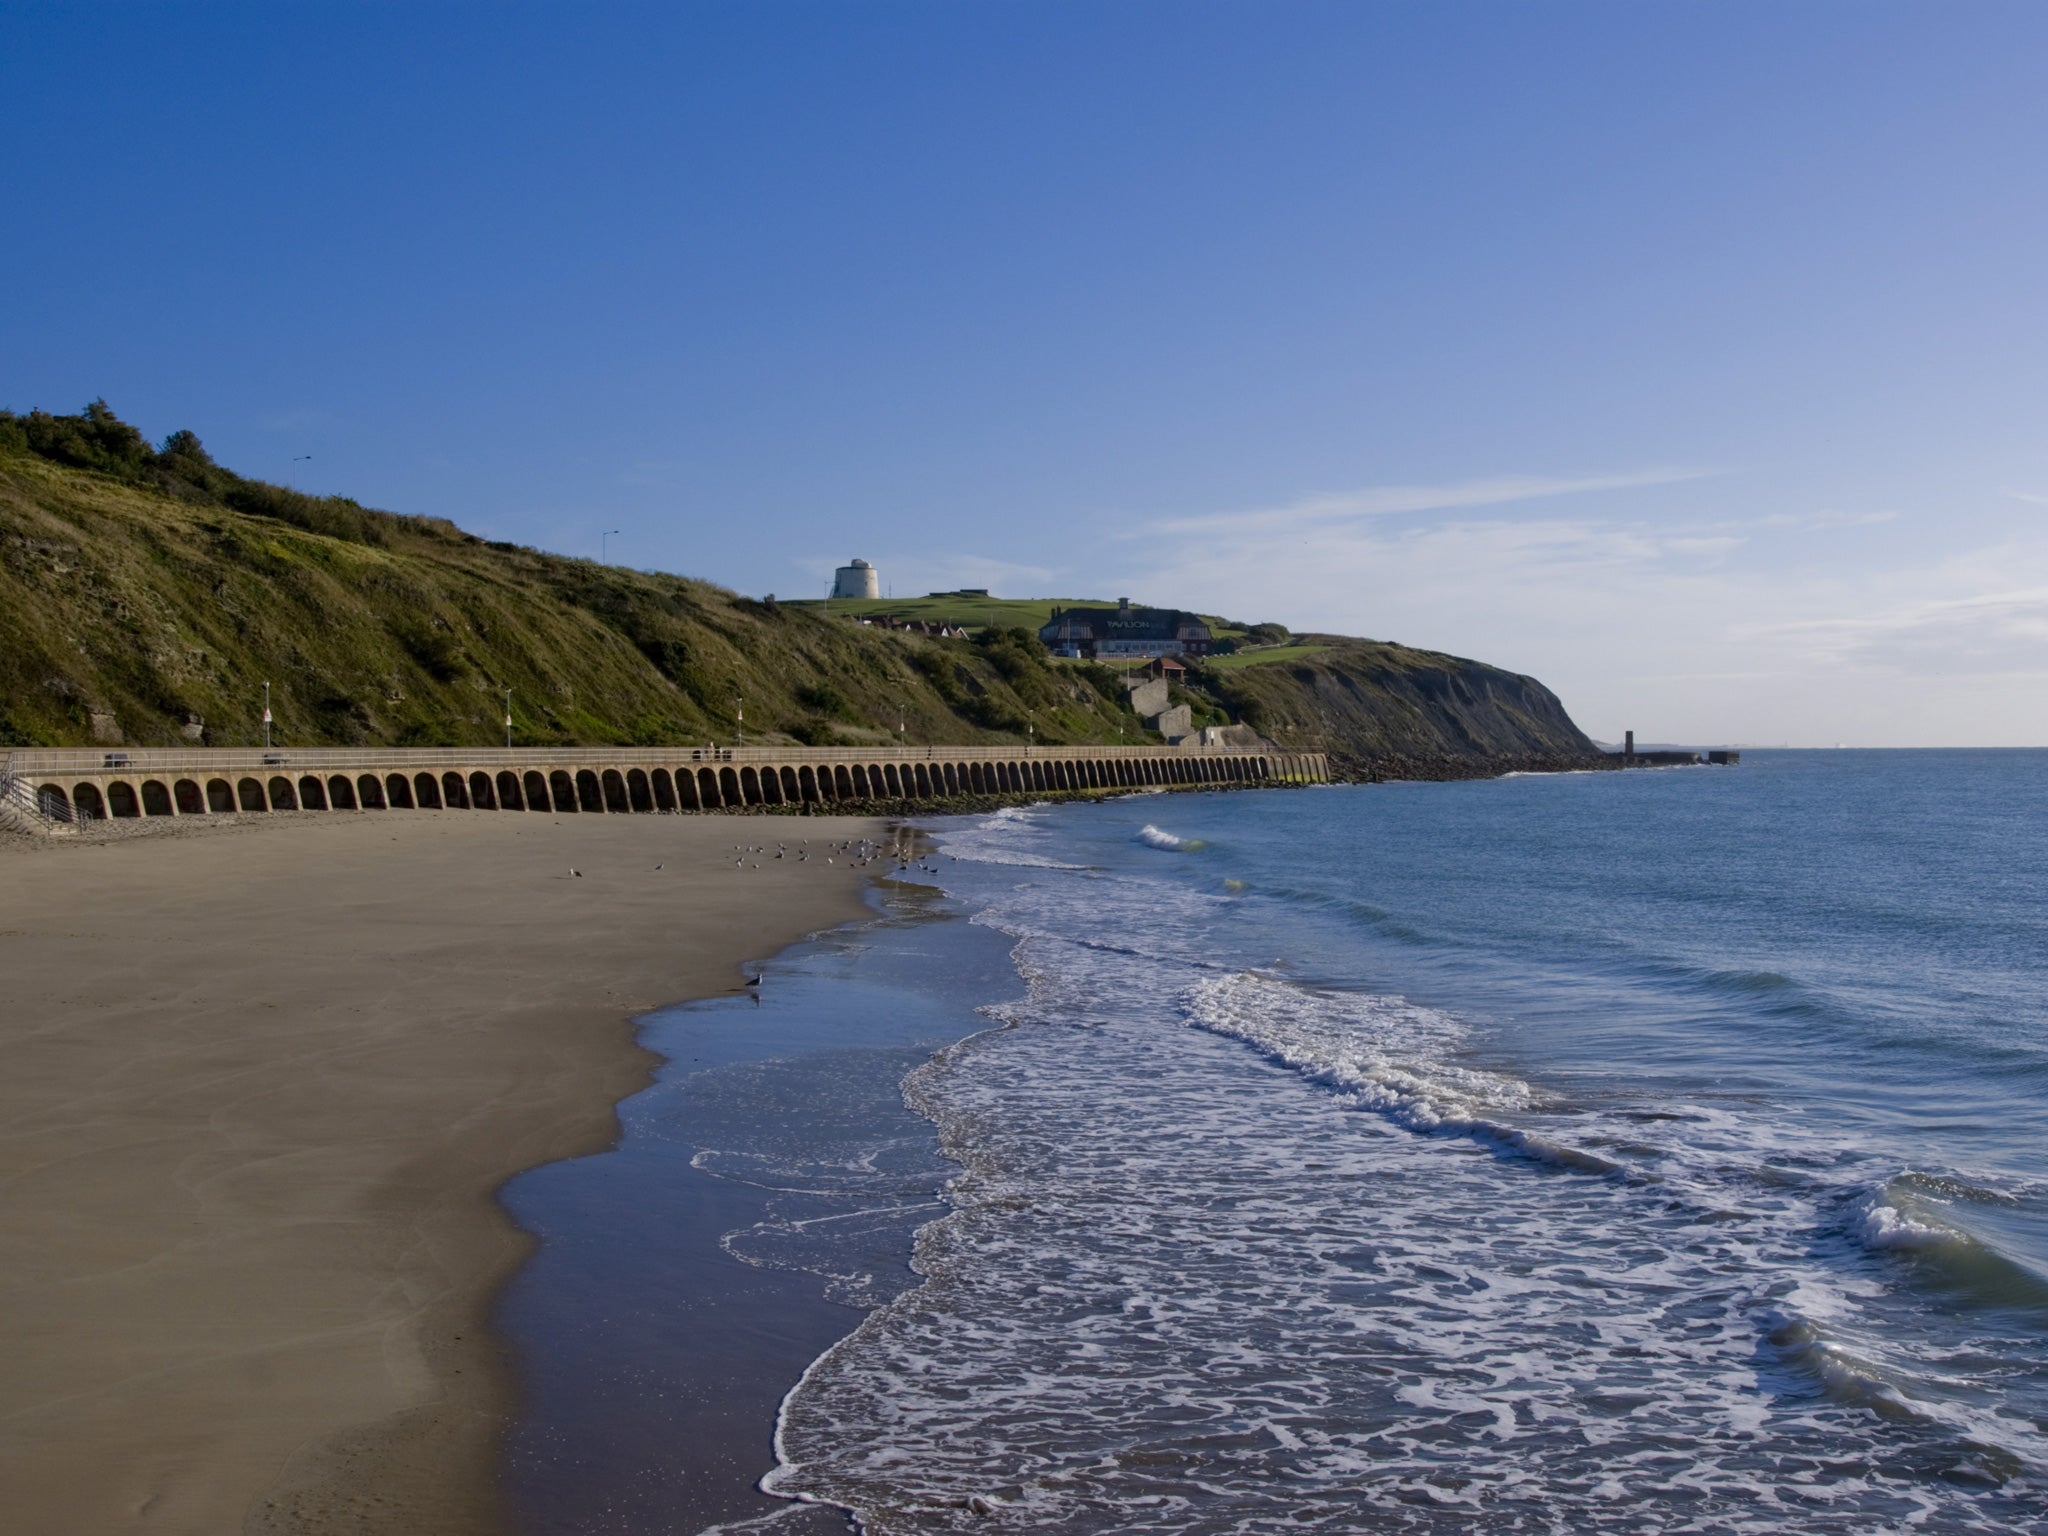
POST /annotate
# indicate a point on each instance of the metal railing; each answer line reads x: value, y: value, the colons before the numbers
x: 33, y: 761
x: 20, y: 800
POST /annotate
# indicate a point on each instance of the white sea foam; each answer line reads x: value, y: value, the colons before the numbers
x: 1384, y: 1055
x: 1308, y: 1265
x: 1885, y: 1225
x: 774, y: 1520
x: 1013, y: 835
x: 1155, y: 837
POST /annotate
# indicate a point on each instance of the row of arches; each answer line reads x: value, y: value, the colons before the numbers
x: 629, y: 790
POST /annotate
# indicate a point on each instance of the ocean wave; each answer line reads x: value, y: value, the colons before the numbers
x: 1154, y: 837
x: 1378, y: 918
x: 2008, y: 1194
x: 1385, y: 1055
x: 1220, y: 1304
x: 1904, y: 1218
x: 1003, y: 836
x: 1810, y: 1333
x: 1886, y: 1226
x: 1749, y: 981
x: 1805, y: 1343
x: 1183, y: 1287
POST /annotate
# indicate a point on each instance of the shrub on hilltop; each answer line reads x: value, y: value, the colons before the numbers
x: 98, y: 440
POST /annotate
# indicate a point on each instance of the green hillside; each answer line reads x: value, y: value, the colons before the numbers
x: 147, y: 593
x: 969, y: 611
x: 1382, y: 709
x: 1262, y: 656
x: 975, y: 611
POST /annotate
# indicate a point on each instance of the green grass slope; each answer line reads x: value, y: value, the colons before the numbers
x: 132, y: 593
x: 1387, y: 710
x: 146, y: 594
x: 969, y: 613
x: 973, y: 612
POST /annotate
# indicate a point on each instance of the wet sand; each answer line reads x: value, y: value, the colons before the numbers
x: 259, y: 1087
x: 789, y: 1177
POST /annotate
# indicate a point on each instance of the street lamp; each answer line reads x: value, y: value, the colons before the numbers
x: 266, y: 717
x: 297, y: 458
x: 508, y: 718
x: 739, y: 715
x: 604, y: 546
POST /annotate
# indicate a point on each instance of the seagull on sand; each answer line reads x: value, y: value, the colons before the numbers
x: 577, y: 873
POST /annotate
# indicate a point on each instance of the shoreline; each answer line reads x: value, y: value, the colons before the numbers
x: 264, y: 1088
x: 761, y: 1200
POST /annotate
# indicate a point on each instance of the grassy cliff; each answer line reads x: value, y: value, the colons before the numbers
x: 1384, y: 710
x: 146, y: 594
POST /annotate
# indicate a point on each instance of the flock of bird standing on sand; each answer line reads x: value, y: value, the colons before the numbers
x: 858, y: 852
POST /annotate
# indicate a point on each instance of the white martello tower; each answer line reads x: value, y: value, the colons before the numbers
x: 856, y: 580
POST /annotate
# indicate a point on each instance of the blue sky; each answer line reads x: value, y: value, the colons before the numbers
x: 1692, y: 357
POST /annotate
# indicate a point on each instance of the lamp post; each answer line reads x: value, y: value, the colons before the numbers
x: 297, y: 458
x: 508, y: 719
x: 604, y: 546
x: 739, y: 715
x: 266, y: 717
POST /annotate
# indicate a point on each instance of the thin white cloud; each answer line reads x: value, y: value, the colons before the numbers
x: 1760, y: 626
x: 1389, y: 500
x: 1984, y: 633
x: 2031, y: 498
x: 1826, y: 518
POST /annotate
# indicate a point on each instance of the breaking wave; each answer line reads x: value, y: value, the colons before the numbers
x: 1231, y: 1251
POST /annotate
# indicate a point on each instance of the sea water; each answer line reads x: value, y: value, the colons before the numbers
x: 1638, y: 1152
x: 1657, y: 1151
x: 761, y: 1199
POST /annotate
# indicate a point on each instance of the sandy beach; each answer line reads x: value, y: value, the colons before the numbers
x: 260, y: 1086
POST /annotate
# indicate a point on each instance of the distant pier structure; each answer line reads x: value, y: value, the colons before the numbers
x: 1629, y: 757
x: 857, y: 580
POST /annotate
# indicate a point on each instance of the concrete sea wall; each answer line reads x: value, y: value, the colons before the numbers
x: 53, y: 789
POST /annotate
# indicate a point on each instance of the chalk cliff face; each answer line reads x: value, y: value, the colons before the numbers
x: 1388, y: 711
x: 147, y: 594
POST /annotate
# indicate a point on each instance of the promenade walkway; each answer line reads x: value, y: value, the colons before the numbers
x: 61, y: 787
